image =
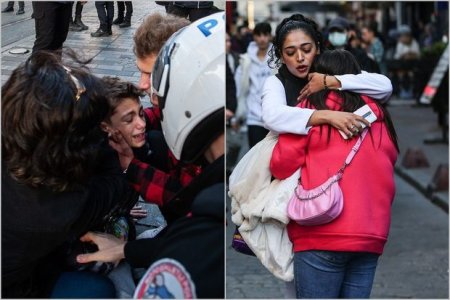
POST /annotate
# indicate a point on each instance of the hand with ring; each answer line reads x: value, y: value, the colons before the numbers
x: 354, y: 129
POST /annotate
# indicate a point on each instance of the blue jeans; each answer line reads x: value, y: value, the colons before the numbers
x: 83, y: 284
x: 330, y: 274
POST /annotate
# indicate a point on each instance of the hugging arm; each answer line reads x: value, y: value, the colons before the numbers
x: 374, y: 85
x: 277, y: 115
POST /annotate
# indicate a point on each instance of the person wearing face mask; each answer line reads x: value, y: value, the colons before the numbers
x: 339, y: 36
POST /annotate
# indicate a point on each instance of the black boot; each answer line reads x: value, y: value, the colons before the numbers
x: 100, y: 33
x: 8, y: 9
x: 119, y: 20
x: 80, y: 23
x: 126, y: 23
x: 21, y: 11
x: 73, y: 26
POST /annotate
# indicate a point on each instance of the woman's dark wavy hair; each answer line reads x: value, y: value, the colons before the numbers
x: 339, y: 62
x: 49, y: 139
x: 294, y: 22
x: 118, y: 90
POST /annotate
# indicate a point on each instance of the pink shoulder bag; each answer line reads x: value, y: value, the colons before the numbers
x: 324, y: 203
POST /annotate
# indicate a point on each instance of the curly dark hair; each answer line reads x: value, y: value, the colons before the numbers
x: 294, y: 22
x: 154, y: 32
x: 117, y: 90
x: 49, y: 137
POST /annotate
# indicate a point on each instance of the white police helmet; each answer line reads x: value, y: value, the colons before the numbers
x: 189, y: 79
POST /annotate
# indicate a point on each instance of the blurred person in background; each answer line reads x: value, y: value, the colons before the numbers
x: 124, y: 19
x: 51, y: 21
x: 10, y: 7
x: 374, y: 47
x: 250, y: 77
x: 407, y: 52
x: 340, y: 37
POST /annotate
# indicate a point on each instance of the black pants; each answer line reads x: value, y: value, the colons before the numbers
x: 51, y: 21
x: 105, y: 12
x: 78, y: 9
x: 256, y: 134
x: 121, y: 8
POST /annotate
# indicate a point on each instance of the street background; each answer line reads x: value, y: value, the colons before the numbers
x: 415, y: 263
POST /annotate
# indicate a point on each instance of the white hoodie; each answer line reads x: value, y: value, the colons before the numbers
x: 258, y: 72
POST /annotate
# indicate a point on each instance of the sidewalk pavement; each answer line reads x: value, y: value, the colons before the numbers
x: 112, y: 55
x: 413, y: 125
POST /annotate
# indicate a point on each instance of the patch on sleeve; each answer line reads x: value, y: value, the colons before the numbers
x: 166, y: 279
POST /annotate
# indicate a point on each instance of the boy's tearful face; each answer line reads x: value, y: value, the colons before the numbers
x: 128, y: 118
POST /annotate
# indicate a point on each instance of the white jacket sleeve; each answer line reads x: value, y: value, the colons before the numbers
x: 277, y: 115
x: 374, y: 85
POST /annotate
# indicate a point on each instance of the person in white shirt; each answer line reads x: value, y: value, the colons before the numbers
x: 250, y: 76
x: 297, y: 42
x: 407, y: 51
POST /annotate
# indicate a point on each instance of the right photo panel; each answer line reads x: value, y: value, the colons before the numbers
x: 337, y: 149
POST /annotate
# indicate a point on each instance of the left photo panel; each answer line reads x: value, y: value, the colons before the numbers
x: 113, y: 142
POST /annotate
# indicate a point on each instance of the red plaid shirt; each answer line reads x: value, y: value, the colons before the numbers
x: 154, y: 185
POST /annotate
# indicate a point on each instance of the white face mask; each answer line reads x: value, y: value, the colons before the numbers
x: 338, y: 39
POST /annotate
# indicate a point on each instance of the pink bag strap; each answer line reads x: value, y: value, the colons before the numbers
x: 355, y: 149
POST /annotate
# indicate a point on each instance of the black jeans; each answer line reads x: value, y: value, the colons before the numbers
x: 121, y: 8
x: 78, y: 9
x: 105, y: 12
x: 51, y: 21
x: 256, y: 134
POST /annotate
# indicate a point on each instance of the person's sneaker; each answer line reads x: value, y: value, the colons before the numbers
x: 8, y: 9
x: 118, y: 21
x: 100, y: 33
x: 20, y: 12
x: 125, y: 24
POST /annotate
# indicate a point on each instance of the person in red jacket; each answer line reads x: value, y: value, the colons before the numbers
x: 338, y: 259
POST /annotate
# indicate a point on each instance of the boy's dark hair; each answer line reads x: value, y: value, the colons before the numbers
x: 50, y: 125
x: 118, y: 90
x: 339, y: 62
x: 262, y: 28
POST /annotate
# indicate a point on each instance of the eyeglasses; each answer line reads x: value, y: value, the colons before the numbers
x: 80, y: 87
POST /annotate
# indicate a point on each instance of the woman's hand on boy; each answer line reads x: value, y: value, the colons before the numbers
x: 110, y: 248
x: 118, y: 143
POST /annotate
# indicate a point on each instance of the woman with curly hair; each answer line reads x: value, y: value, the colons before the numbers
x: 296, y: 44
x: 57, y: 183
